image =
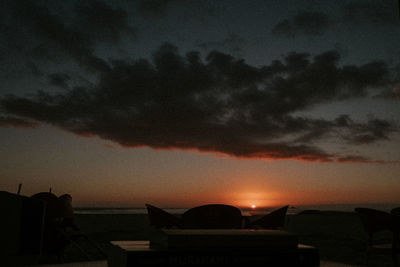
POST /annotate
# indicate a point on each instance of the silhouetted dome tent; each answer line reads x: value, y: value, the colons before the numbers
x: 212, y: 216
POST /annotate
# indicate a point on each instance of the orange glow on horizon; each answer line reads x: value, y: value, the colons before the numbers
x: 254, y: 199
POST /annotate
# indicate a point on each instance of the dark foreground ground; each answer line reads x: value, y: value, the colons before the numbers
x: 338, y: 235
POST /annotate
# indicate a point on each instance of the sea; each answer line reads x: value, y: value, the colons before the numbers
x: 245, y: 211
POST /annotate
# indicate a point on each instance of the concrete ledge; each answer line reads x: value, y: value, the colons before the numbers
x: 76, y: 264
x: 240, y: 239
x: 139, y: 253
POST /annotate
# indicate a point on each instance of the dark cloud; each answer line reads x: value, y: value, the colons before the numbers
x: 360, y: 159
x: 232, y: 43
x: 59, y: 80
x: 381, y: 13
x: 62, y: 32
x: 199, y: 9
x: 390, y: 94
x: 373, y: 130
x: 110, y: 22
x: 220, y: 104
x: 33, y: 69
x: 155, y: 8
x: 354, y: 13
x: 396, y: 92
x: 354, y: 133
x: 57, y: 37
x: 304, y: 22
x: 15, y: 122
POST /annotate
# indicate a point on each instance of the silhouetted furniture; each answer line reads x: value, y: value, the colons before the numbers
x: 273, y: 220
x: 211, y: 236
x: 59, y: 228
x: 159, y: 218
x: 140, y: 254
x: 212, y: 216
x: 21, y: 229
x: 54, y: 241
x: 72, y: 232
x: 375, y: 221
x: 223, y: 239
x: 395, y: 211
x: 396, y: 232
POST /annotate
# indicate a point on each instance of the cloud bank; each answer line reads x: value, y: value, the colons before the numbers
x: 218, y: 104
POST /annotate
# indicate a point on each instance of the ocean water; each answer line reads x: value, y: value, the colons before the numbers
x: 118, y: 210
x: 245, y: 211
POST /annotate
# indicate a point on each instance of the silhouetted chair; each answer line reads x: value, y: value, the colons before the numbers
x: 212, y: 216
x: 273, y: 220
x: 53, y: 208
x: 54, y: 241
x: 160, y: 218
x: 395, y: 211
x: 69, y: 229
x: 375, y: 221
x: 59, y: 220
x: 396, y: 231
x: 67, y: 213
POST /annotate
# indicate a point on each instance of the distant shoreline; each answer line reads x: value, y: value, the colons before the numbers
x: 246, y: 211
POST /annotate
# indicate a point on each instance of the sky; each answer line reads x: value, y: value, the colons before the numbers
x: 181, y: 103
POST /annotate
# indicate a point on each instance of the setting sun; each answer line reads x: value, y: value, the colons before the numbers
x: 253, y: 206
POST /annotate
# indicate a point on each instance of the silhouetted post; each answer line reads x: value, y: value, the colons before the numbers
x: 50, y: 190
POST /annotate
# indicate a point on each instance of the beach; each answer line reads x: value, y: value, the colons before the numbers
x: 338, y: 235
